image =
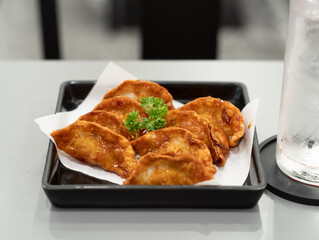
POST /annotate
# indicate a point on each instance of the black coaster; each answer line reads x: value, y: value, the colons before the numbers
x: 279, y: 183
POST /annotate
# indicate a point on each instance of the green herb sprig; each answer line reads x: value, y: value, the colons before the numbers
x: 156, y: 110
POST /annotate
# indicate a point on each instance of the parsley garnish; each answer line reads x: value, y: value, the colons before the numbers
x: 156, y: 110
x: 132, y: 123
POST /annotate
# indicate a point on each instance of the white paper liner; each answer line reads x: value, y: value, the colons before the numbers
x: 233, y: 173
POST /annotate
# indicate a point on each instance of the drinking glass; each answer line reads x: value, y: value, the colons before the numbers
x: 297, y: 153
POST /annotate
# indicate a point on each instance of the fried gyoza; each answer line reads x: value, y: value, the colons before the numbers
x: 199, y: 126
x: 107, y: 119
x: 220, y: 140
x: 159, y: 169
x: 137, y: 89
x: 121, y: 106
x: 174, y: 141
x: 96, y: 145
x: 221, y: 114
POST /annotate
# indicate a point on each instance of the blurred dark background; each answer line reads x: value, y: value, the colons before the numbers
x: 143, y: 29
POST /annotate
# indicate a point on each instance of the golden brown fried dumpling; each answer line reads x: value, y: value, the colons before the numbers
x: 221, y: 114
x: 174, y: 141
x: 96, y: 145
x: 121, y: 106
x: 136, y: 89
x: 220, y: 140
x: 107, y: 119
x: 199, y: 126
x: 159, y: 169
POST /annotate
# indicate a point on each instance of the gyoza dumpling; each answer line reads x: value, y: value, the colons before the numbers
x: 136, y: 89
x: 200, y: 127
x: 107, y: 119
x: 174, y: 141
x: 220, y: 140
x: 121, y: 106
x: 159, y: 169
x: 221, y: 114
x: 93, y: 144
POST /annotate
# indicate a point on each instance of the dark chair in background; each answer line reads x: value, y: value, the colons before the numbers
x: 180, y: 29
x: 171, y: 29
x: 49, y: 27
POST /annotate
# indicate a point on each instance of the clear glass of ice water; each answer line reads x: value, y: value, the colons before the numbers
x: 297, y: 153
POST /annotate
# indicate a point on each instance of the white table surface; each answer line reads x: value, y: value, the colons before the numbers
x: 30, y: 90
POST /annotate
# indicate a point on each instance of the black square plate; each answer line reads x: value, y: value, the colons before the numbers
x: 68, y: 188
